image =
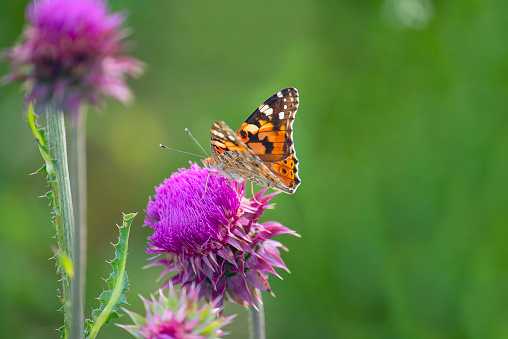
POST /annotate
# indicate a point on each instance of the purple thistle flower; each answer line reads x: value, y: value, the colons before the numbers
x: 174, y: 317
x: 211, y: 237
x: 71, y: 54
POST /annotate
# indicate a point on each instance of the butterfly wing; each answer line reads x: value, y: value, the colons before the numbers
x: 233, y: 158
x: 287, y: 172
x: 268, y: 133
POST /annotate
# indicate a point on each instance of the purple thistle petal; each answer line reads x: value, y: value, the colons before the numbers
x: 270, y: 229
x: 240, y: 245
x: 180, y: 228
x: 227, y: 254
x: 240, y: 267
x: 257, y: 280
x: 255, y: 262
x: 270, y: 253
x: 239, y: 286
x: 219, y: 291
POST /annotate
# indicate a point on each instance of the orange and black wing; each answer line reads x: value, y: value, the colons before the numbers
x: 223, y: 139
x: 236, y: 160
x: 268, y: 132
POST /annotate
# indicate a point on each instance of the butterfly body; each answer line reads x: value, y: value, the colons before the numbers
x: 262, y: 149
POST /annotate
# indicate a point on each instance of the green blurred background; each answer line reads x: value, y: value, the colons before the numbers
x: 403, y: 146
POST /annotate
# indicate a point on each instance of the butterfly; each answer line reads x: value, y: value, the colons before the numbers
x: 261, y: 151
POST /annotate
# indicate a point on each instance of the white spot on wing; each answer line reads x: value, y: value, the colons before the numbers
x: 281, y: 115
x: 266, y: 109
x: 279, y: 94
x: 285, y: 106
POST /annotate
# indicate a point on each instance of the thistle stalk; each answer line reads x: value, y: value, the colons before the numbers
x: 257, y: 319
x: 79, y: 187
x: 64, y: 220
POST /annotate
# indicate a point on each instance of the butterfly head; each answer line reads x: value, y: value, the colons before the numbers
x: 208, y: 163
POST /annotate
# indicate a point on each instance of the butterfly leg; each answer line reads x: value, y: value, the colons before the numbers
x: 229, y: 181
x: 206, y: 183
x: 252, y: 193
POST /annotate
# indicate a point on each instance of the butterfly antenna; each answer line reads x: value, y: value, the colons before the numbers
x: 189, y: 133
x: 172, y: 149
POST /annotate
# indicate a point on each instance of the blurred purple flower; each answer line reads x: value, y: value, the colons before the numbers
x: 174, y: 317
x: 211, y: 237
x: 70, y: 53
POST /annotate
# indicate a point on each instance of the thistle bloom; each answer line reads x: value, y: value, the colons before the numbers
x: 70, y: 54
x: 177, y: 318
x: 210, y: 236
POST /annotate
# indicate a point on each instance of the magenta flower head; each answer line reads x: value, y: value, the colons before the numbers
x: 174, y: 317
x: 71, y: 53
x: 210, y: 236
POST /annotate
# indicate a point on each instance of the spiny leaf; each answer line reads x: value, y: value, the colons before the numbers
x: 114, y: 297
x: 40, y: 137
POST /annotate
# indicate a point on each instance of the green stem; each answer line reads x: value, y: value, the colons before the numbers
x: 257, y: 319
x: 78, y: 183
x: 64, y: 219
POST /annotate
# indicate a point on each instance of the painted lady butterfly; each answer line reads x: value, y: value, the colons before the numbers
x: 262, y: 149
